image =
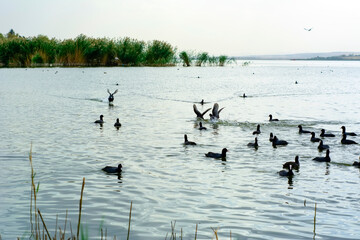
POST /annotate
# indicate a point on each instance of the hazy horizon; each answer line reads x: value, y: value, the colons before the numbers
x: 234, y: 28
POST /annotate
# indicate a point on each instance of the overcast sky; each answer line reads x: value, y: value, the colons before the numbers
x: 231, y: 27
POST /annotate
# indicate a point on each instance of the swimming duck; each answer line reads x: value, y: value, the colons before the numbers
x: 202, y: 102
x: 110, y: 169
x: 301, y: 130
x: 117, y: 124
x: 313, y: 138
x: 199, y: 114
x: 215, y: 112
x: 254, y: 144
x: 271, y: 139
x: 217, y: 155
x: 101, y: 119
x: 257, y: 130
x: 323, y: 159
x: 285, y: 173
x: 347, y: 133
x: 345, y: 141
x: 323, y: 134
x: 244, y: 96
x: 201, y: 127
x: 272, y: 119
x: 276, y: 142
x: 186, y: 142
x: 111, y: 96
x: 293, y: 165
x: 322, y: 146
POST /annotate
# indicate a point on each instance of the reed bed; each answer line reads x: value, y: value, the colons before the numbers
x: 41, y: 51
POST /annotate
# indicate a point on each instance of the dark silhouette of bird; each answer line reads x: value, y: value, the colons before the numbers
x: 347, y: 133
x: 323, y: 159
x: 101, y: 120
x: 217, y: 155
x: 117, y: 123
x: 293, y: 165
x: 323, y: 134
x: 257, y: 130
x: 301, y: 130
x: 346, y: 141
x: 111, y: 95
x: 110, y: 169
x: 313, y: 138
x: 215, y: 112
x: 186, y: 142
x: 272, y: 119
x: 271, y: 139
x: 253, y: 144
x: 277, y: 142
x: 201, y: 126
x: 322, y: 146
x: 199, y: 114
x: 308, y: 29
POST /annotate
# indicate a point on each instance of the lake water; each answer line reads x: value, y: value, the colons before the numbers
x: 54, y: 109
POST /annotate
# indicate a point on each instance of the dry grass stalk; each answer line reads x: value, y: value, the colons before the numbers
x: 80, y: 206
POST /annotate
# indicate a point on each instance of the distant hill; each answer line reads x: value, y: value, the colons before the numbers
x: 306, y: 56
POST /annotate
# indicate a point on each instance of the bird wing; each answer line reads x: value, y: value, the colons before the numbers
x: 196, y: 111
x: 215, y: 110
x: 220, y: 110
x: 115, y: 91
x: 202, y: 115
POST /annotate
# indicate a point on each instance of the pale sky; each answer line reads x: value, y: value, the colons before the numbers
x: 231, y: 27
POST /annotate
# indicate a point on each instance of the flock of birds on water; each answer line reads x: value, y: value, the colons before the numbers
x: 288, y: 167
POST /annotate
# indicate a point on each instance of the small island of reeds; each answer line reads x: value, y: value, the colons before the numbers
x: 83, y: 51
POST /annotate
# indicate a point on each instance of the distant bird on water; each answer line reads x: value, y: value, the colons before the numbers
x: 187, y: 142
x: 253, y: 144
x: 117, y: 124
x: 111, y: 95
x: 101, y: 120
x: 322, y: 146
x: 217, y: 155
x: 346, y: 141
x: 216, y: 112
x: 271, y: 119
x: 110, y: 169
x: 201, y: 126
x: 277, y: 142
x: 257, y: 130
x: 323, y: 159
x: 293, y: 165
x: 323, y: 134
x: 347, y: 133
x: 301, y: 130
x: 313, y: 138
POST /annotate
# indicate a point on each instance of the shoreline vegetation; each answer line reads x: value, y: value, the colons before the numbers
x: 83, y: 51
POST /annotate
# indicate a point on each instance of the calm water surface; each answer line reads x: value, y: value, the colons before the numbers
x: 167, y: 181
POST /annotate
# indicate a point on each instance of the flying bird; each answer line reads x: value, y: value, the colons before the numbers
x: 308, y: 29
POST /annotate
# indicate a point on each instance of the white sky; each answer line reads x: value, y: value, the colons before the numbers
x: 231, y: 27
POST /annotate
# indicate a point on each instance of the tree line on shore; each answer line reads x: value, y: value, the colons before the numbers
x: 20, y: 51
